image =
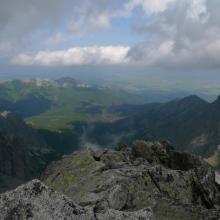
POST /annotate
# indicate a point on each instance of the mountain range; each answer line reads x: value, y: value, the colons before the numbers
x: 94, y: 151
x: 70, y: 113
x: 191, y: 124
x: 53, y: 104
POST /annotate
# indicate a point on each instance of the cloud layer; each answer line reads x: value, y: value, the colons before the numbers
x: 175, y: 33
x: 21, y: 21
x: 96, y: 55
x: 183, y: 34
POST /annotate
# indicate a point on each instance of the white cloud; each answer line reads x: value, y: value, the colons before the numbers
x: 95, y: 55
x: 62, y: 20
x: 180, y: 33
x: 89, y: 24
x: 150, y: 6
x: 196, y: 9
x: 183, y: 34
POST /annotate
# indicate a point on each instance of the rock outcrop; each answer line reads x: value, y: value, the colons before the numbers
x: 147, y: 175
x: 37, y: 201
x: 145, y: 181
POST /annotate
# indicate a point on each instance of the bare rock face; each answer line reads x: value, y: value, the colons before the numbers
x: 146, y: 181
x: 38, y: 202
x: 118, y: 197
x: 147, y: 175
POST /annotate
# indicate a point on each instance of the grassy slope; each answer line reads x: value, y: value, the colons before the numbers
x: 68, y: 103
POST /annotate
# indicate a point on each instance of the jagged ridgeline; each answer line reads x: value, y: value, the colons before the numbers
x: 144, y: 181
x: 191, y: 124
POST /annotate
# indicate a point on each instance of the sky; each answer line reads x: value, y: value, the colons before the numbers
x: 170, y: 35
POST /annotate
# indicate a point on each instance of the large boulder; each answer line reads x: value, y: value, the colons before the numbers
x: 36, y: 201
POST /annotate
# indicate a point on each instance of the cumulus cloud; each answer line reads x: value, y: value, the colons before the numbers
x: 150, y: 6
x: 180, y: 33
x: 85, y: 25
x: 176, y: 33
x: 95, y: 55
x: 20, y: 20
x: 91, y: 16
x: 21, y: 17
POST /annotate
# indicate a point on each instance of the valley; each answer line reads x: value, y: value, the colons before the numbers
x: 52, y: 105
x: 81, y: 140
x: 69, y: 114
x: 110, y: 110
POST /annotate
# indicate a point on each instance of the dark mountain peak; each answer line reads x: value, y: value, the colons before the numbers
x: 188, y: 103
x: 217, y: 101
x: 193, y: 99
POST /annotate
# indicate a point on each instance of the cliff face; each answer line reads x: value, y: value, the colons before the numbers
x: 22, y: 152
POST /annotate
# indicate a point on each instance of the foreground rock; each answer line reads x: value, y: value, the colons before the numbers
x: 146, y: 181
x: 146, y: 175
x: 37, y: 201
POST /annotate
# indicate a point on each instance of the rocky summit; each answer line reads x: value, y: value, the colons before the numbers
x: 144, y: 181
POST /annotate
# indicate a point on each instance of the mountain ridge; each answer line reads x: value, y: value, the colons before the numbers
x: 189, y: 123
x: 147, y: 180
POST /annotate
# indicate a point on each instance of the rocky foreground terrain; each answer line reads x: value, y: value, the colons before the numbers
x: 145, y: 181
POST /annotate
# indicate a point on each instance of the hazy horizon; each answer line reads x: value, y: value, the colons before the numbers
x: 132, y: 44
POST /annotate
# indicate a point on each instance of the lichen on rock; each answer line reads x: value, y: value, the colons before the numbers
x: 143, y: 175
x: 147, y: 181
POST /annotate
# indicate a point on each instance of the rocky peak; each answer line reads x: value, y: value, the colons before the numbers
x: 146, y: 180
x: 162, y: 152
x: 144, y: 175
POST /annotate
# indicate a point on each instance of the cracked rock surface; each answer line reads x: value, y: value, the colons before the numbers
x: 38, y: 202
x: 145, y: 181
x: 144, y: 175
